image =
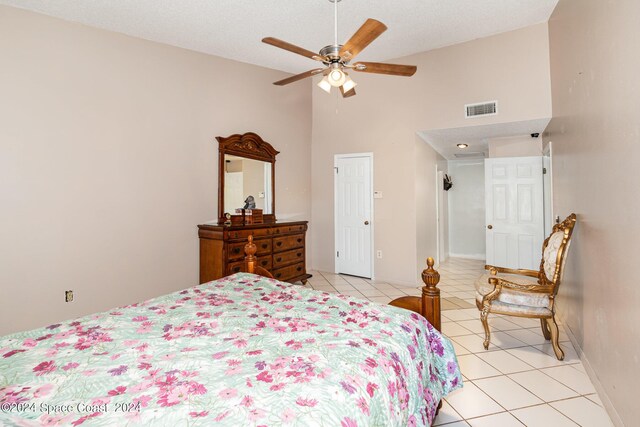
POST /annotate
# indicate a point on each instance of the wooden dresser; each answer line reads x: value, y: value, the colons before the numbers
x: 281, y: 249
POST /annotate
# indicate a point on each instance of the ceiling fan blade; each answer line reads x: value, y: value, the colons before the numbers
x: 298, y: 77
x: 348, y: 93
x: 382, y: 68
x: 292, y: 48
x: 369, y: 31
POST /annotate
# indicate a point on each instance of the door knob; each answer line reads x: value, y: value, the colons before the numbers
x: 366, y: 223
x: 489, y: 226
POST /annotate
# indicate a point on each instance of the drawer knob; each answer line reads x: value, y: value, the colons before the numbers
x: 264, y: 246
x: 264, y: 262
x: 278, y: 259
x: 299, y: 269
x: 236, y: 250
x: 299, y: 254
x: 279, y: 244
x: 299, y: 240
x: 236, y: 269
x: 278, y: 275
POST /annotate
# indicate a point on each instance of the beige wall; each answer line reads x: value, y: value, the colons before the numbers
x: 426, y: 161
x: 384, y: 117
x: 108, y: 162
x: 515, y: 146
x: 596, y: 146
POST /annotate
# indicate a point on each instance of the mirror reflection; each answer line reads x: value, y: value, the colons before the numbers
x: 247, y: 184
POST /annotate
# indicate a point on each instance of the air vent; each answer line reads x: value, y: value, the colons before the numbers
x: 469, y: 155
x: 482, y: 109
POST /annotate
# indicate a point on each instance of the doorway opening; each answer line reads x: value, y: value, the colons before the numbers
x: 466, y: 153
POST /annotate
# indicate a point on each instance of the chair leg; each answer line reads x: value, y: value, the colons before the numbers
x: 555, y: 336
x: 545, y: 329
x: 484, y: 314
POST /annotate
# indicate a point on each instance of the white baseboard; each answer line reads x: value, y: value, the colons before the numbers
x: 591, y: 373
x: 480, y: 257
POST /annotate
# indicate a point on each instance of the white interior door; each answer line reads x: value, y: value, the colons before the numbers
x: 353, y: 216
x: 514, y: 211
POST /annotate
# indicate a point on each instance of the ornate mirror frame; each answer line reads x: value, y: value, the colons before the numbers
x: 250, y: 146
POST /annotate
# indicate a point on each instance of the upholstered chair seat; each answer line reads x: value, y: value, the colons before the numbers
x: 510, y: 296
x: 528, y: 293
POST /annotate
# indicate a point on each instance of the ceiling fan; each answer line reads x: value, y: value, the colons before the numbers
x: 336, y: 58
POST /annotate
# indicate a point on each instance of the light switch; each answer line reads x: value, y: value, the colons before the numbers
x: 377, y: 194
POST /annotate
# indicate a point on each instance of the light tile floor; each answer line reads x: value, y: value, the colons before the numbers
x: 517, y: 382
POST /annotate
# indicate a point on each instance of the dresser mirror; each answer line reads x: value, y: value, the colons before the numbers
x: 247, y: 184
x: 246, y: 175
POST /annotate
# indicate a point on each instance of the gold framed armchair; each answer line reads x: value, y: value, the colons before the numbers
x: 528, y: 293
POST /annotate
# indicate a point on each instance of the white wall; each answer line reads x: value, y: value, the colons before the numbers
x: 515, y: 146
x: 108, y: 161
x: 426, y: 160
x: 253, y: 181
x: 467, y: 209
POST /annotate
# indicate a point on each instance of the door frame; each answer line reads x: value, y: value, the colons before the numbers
x: 336, y: 157
x: 547, y: 152
x: 440, y: 218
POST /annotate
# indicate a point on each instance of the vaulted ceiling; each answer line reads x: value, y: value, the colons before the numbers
x: 233, y: 28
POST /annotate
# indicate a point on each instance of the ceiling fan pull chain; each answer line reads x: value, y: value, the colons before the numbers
x: 335, y: 22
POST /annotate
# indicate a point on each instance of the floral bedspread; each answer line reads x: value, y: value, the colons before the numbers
x: 240, y: 351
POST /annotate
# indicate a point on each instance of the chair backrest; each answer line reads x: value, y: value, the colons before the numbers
x: 554, y: 253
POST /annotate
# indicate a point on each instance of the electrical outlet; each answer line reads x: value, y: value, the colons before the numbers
x: 379, y: 254
x: 68, y: 296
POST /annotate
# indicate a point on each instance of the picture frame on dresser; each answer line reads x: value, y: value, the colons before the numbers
x: 281, y: 245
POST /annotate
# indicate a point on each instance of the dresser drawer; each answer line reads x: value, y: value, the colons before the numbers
x: 286, y: 243
x: 236, y: 250
x: 238, y: 266
x: 286, y: 273
x: 243, y: 234
x: 281, y: 259
x: 289, y: 229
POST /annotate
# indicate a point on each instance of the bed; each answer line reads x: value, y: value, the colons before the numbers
x: 245, y: 350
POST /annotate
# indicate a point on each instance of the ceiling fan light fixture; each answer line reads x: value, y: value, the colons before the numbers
x: 336, y: 77
x: 348, y: 84
x: 325, y: 85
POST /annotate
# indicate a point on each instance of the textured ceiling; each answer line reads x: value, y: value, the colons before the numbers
x: 444, y: 141
x: 233, y: 28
